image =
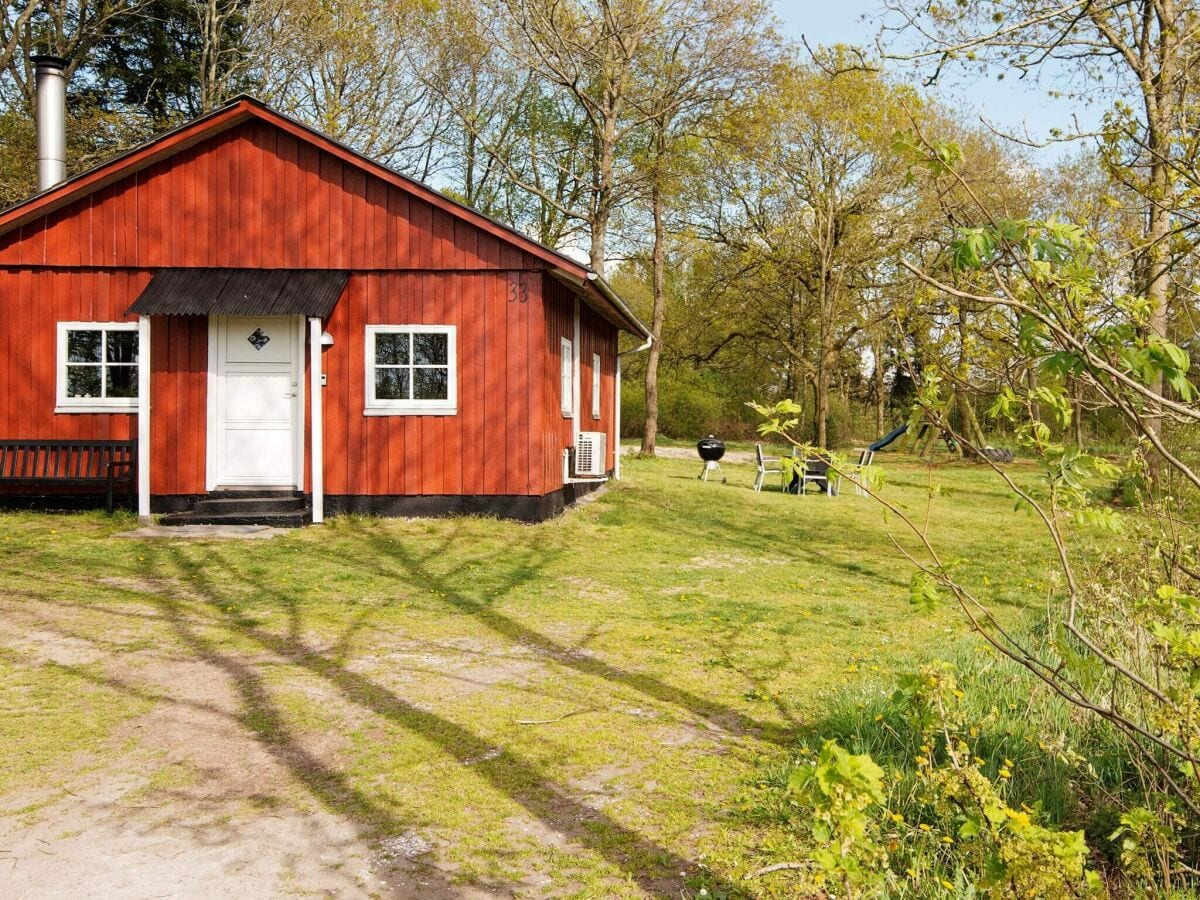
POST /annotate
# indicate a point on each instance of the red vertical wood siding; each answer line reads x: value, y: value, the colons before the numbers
x: 486, y: 448
x: 257, y: 196
x: 232, y: 201
x: 596, y: 336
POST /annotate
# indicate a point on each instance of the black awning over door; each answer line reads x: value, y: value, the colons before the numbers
x: 241, y: 292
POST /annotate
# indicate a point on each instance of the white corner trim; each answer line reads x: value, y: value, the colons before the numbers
x: 315, y: 329
x: 617, y: 420
x: 143, y: 418
x: 576, y: 391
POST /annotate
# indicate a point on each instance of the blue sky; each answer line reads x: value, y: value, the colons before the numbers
x: 1012, y: 105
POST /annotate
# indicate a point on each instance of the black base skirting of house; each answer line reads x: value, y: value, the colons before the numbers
x: 74, y: 502
x: 502, y: 506
x: 174, y: 503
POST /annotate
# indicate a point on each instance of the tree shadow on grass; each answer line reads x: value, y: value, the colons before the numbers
x: 651, y: 866
x: 393, y: 560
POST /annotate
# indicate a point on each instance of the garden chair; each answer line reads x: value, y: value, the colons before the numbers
x: 865, y: 458
x: 767, y: 465
x: 816, y: 471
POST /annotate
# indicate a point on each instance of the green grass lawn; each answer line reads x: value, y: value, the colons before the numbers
x: 574, y: 708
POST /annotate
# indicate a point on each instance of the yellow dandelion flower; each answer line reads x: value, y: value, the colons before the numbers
x: 924, y: 827
x: 1005, y: 773
x: 896, y: 817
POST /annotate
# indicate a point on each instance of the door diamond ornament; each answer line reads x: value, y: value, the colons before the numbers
x: 258, y: 339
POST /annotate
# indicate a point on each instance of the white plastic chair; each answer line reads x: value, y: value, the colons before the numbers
x: 865, y: 458
x: 764, y: 467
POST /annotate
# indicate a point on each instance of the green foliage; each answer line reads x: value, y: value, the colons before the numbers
x: 841, y: 789
x: 941, y: 820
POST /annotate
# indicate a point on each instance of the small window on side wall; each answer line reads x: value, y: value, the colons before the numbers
x: 411, y: 370
x: 595, y: 385
x: 567, y: 378
x: 97, y: 367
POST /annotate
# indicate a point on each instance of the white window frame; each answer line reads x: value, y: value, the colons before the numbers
x: 65, y: 404
x: 377, y: 407
x: 566, y: 377
x: 595, y: 385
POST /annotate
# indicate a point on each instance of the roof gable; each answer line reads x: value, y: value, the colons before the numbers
x: 246, y: 186
x: 238, y: 113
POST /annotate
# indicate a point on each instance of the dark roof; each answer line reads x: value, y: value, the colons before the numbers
x: 241, y: 292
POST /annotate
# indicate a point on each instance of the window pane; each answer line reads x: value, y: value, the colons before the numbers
x: 391, y: 349
x: 430, y: 349
x: 83, y: 346
x: 83, y: 381
x: 391, y: 384
x: 122, y: 347
x: 431, y: 384
x: 120, y: 381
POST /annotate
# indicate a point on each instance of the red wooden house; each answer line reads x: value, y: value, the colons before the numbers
x: 264, y: 310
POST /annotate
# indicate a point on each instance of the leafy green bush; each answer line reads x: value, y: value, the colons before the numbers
x: 989, y: 785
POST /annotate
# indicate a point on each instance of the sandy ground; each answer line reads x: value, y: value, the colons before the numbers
x: 227, y: 827
x: 733, y: 456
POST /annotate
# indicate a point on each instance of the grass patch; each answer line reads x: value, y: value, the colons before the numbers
x: 584, y: 699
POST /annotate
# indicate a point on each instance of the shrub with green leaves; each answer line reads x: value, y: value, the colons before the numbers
x: 934, y: 824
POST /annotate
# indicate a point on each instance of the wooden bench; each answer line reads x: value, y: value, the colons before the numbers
x: 71, y: 463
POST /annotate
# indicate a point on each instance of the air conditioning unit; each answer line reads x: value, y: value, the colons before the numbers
x: 590, y: 452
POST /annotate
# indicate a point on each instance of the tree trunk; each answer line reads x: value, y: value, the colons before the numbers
x: 602, y: 184
x: 821, y: 412
x: 1077, y: 413
x: 880, y: 405
x: 658, y: 314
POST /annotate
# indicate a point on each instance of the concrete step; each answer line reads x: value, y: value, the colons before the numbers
x: 295, y: 519
x: 264, y: 505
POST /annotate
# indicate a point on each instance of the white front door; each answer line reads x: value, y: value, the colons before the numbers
x: 255, y: 378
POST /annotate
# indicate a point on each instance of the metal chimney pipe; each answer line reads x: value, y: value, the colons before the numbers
x: 51, y: 120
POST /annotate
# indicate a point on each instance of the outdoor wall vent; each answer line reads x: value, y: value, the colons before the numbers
x: 590, y: 451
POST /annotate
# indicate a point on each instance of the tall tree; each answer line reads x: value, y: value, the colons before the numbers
x: 344, y: 68
x: 810, y: 201
x: 726, y: 48
x: 1144, y: 51
x: 176, y: 59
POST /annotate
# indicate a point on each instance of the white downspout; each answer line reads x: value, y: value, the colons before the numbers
x: 318, y: 420
x: 143, y: 419
x: 617, y: 407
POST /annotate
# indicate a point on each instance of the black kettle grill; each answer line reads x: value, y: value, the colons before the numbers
x: 711, y: 450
